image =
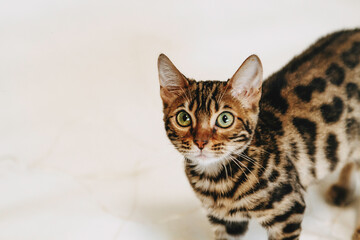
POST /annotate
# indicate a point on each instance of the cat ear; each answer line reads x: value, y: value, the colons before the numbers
x: 172, y: 82
x: 247, y: 81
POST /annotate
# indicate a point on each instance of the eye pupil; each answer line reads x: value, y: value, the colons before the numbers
x: 225, y: 119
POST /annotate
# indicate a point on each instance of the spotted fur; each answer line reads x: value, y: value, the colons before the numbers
x: 302, y: 125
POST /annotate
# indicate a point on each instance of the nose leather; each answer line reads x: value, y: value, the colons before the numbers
x: 202, y: 137
x: 201, y: 143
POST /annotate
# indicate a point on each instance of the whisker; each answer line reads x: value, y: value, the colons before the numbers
x: 243, y: 155
x: 235, y: 160
x: 247, y: 169
x: 259, y: 149
x: 227, y: 176
x: 231, y: 171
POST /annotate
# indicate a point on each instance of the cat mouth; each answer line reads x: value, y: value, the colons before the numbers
x: 201, y: 156
x: 204, y: 157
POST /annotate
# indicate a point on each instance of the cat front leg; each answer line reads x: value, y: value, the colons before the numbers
x: 288, y: 231
x: 285, y: 221
x: 228, y: 230
x: 356, y: 234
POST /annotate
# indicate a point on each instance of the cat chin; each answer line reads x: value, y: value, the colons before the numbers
x: 208, y: 165
x: 205, y: 160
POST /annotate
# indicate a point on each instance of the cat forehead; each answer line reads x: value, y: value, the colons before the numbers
x: 204, y: 94
x: 208, y: 85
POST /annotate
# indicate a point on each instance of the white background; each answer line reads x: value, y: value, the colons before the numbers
x: 83, y: 151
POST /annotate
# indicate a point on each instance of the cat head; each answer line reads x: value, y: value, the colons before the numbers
x: 208, y: 121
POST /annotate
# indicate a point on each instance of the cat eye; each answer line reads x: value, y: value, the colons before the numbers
x: 225, y: 120
x: 183, y: 119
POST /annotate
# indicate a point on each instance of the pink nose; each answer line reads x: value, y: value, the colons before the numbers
x: 201, y: 143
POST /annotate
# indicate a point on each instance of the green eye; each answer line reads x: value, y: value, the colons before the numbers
x: 183, y: 119
x: 225, y: 120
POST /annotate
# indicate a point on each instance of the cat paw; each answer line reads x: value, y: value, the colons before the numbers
x: 339, y: 195
x: 356, y: 235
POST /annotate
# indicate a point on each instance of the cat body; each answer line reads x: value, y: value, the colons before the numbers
x: 251, y: 149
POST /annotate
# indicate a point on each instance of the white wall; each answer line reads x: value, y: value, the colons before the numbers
x: 83, y: 152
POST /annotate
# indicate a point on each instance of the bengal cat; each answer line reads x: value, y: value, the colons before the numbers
x: 252, y: 148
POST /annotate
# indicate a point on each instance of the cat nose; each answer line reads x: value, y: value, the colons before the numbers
x: 201, y: 143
